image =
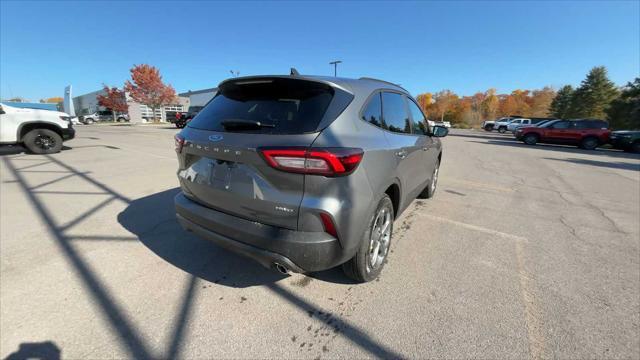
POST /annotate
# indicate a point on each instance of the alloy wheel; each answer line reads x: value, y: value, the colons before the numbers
x: 45, y: 142
x: 380, y: 238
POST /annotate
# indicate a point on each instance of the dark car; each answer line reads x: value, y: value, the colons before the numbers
x: 304, y: 173
x: 181, y: 119
x: 587, y: 133
x: 627, y: 140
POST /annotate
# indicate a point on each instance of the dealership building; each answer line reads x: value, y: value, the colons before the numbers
x: 140, y: 113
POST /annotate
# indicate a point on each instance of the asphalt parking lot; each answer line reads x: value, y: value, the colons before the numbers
x: 525, y: 252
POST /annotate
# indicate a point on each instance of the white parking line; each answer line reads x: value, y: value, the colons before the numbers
x: 477, y: 228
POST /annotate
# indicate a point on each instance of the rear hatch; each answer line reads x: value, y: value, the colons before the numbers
x: 221, y: 165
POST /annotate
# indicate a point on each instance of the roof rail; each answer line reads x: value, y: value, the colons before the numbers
x: 386, y: 82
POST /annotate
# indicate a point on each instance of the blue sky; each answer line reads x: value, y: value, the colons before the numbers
x: 425, y: 46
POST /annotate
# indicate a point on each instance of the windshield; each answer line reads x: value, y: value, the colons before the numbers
x: 547, y: 124
x: 284, y: 106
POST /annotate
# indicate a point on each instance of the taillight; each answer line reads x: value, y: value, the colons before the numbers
x: 329, y: 226
x: 179, y: 141
x: 314, y: 161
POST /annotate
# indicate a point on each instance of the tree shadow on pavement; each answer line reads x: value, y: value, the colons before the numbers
x: 153, y: 220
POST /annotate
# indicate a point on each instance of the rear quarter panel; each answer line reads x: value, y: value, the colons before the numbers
x: 350, y: 199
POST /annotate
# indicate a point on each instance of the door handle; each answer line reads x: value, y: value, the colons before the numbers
x: 402, y: 154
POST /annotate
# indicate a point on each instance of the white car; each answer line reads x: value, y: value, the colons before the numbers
x: 501, y: 124
x: 40, y: 131
x: 516, y: 123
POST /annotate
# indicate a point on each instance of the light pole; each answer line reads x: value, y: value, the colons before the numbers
x: 335, y: 67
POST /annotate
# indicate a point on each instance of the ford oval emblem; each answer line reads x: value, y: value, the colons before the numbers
x: 215, y: 137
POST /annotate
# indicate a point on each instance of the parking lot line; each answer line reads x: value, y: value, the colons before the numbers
x: 476, y: 228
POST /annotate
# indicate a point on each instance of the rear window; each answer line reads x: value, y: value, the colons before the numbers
x: 591, y: 124
x: 283, y: 106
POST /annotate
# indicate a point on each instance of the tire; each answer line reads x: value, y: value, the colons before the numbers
x: 635, y: 147
x: 589, y: 143
x: 372, y: 253
x: 502, y: 130
x: 530, y: 139
x: 488, y: 128
x: 43, y: 141
x: 430, y: 190
x: 89, y: 121
x: 121, y: 119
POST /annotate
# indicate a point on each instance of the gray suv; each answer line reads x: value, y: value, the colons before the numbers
x: 304, y: 173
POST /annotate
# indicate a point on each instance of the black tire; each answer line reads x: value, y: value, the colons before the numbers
x: 488, y: 128
x: 635, y: 147
x: 430, y: 190
x: 43, y: 141
x: 360, y: 268
x: 121, y: 119
x: 89, y: 121
x: 589, y: 143
x: 530, y: 139
x: 502, y: 130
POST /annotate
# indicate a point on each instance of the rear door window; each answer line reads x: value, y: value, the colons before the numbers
x: 394, y: 113
x: 418, y: 121
x: 280, y: 106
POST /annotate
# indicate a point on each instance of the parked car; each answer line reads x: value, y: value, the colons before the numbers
x: 40, y: 131
x: 103, y: 115
x: 502, y: 124
x: 488, y: 125
x: 587, y: 133
x: 181, y: 119
x: 516, y: 123
x: 628, y: 140
x: 304, y: 173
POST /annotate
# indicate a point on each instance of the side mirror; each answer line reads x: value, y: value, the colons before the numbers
x: 439, y: 131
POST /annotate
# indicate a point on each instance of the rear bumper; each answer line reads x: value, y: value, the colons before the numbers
x: 297, y: 250
x: 68, y: 133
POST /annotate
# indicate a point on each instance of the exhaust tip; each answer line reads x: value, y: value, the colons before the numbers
x: 281, y: 268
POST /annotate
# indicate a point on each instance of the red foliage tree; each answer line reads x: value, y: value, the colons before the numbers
x: 147, y: 87
x: 114, y: 100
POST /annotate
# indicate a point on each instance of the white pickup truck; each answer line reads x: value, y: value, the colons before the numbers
x: 40, y: 131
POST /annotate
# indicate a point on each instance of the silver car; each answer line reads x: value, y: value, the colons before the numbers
x: 304, y: 173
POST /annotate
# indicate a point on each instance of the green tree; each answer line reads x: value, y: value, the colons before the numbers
x: 595, y: 94
x: 624, y: 112
x: 561, y: 104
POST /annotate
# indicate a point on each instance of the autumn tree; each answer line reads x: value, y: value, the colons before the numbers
x: 490, y: 104
x: 113, y: 99
x: 52, y: 100
x: 624, y: 112
x: 540, y: 101
x: 444, y: 100
x: 593, y: 97
x: 147, y: 88
x: 425, y: 101
x: 561, y: 103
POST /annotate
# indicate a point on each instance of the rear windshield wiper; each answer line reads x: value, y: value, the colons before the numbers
x: 245, y: 124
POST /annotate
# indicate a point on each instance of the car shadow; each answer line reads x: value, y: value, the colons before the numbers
x: 607, y: 164
x: 39, y: 350
x: 19, y: 149
x: 152, y: 218
x: 562, y: 148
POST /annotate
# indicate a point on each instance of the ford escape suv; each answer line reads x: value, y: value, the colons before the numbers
x: 304, y: 173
